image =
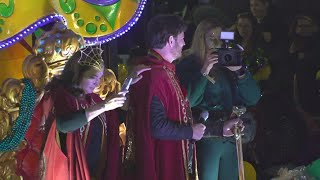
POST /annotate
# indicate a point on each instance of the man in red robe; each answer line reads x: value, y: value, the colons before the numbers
x: 160, y: 126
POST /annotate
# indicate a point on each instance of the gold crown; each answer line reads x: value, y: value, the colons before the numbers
x: 92, y: 56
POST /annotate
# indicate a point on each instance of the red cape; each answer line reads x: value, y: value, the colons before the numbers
x: 157, y: 159
x: 28, y: 158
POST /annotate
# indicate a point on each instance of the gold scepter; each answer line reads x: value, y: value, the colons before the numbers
x: 239, y: 110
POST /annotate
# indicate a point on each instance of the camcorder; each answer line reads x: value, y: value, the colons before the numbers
x: 227, y: 55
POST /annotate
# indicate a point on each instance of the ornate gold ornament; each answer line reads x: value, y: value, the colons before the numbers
x: 57, y: 46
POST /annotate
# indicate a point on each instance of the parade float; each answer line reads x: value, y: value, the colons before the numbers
x: 30, y: 56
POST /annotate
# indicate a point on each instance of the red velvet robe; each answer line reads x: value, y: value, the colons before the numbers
x: 73, y: 165
x: 28, y: 157
x: 157, y: 159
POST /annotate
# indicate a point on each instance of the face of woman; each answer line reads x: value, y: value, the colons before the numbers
x: 244, y: 28
x: 90, y: 82
x: 212, y: 38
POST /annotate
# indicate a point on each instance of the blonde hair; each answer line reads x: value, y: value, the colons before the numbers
x: 109, y: 85
x: 198, y: 46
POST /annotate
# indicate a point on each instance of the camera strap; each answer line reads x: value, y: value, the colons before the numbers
x: 210, y: 79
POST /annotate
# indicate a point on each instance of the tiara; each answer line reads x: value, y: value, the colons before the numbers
x: 92, y: 56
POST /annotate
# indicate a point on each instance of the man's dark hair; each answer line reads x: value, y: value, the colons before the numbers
x: 161, y: 27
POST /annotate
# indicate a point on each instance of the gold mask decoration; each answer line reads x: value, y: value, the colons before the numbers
x: 11, y: 91
x: 9, y: 103
x: 57, y: 46
x: 36, y: 69
x: 4, y: 124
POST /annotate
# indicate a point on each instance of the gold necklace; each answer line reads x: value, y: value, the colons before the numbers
x: 186, y: 111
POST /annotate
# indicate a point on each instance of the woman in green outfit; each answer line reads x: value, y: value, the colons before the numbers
x: 216, y: 89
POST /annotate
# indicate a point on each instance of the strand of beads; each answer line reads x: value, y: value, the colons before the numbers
x: 22, y: 123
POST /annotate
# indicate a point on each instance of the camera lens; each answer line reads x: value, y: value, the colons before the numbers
x: 227, y: 57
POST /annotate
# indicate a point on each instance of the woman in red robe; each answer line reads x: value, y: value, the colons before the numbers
x: 83, y: 139
x: 80, y: 130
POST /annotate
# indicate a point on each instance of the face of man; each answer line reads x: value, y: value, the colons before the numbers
x: 258, y: 8
x: 178, y: 43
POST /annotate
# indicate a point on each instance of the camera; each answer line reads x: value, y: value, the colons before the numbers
x: 227, y: 55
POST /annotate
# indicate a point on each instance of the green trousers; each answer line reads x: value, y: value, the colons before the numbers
x: 217, y: 159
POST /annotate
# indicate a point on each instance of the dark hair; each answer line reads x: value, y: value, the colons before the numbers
x: 248, y: 16
x: 293, y: 24
x: 161, y: 27
x: 73, y: 72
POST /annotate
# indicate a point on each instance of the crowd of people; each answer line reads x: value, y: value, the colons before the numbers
x: 167, y: 137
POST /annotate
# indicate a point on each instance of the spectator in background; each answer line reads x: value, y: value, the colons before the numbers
x: 304, y: 52
x: 269, y: 23
x: 254, y: 56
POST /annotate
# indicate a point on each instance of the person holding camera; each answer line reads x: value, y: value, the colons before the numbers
x: 216, y: 85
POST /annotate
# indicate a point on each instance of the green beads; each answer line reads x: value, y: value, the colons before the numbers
x: 22, y: 123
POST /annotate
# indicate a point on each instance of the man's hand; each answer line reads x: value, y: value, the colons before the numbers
x: 136, y: 73
x: 229, y: 126
x: 198, y: 131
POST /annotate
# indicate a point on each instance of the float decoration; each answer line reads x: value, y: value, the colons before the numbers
x: 30, y: 29
x: 57, y: 46
x: 51, y: 50
x: 78, y: 23
x: 97, y: 21
x: 19, y: 129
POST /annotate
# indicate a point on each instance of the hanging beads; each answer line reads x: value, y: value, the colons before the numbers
x: 23, y: 121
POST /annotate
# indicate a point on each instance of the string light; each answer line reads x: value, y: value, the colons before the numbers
x: 30, y: 29
x: 102, y: 2
x: 88, y: 40
x: 134, y: 19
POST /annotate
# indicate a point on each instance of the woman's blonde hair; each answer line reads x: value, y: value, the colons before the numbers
x: 198, y: 46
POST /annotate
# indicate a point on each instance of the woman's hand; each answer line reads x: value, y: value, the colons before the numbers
x: 211, y: 59
x: 229, y: 126
x: 115, y: 101
x: 136, y: 73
